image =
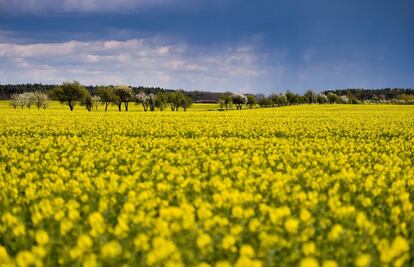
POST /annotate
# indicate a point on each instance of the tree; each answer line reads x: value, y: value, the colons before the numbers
x: 333, y: 98
x: 343, y: 99
x: 278, y: 99
x: 70, y: 93
x: 251, y: 101
x: 225, y: 100
x: 41, y: 100
x: 292, y: 98
x: 185, y: 101
x: 117, y: 102
x: 106, y: 94
x: 95, y: 101
x: 263, y: 101
x: 14, y: 100
x: 322, y: 99
x: 282, y: 100
x: 310, y: 96
x: 239, y: 100
x: 151, y: 102
x: 29, y: 99
x: 124, y: 93
x: 174, y: 100
x: 142, y: 98
x: 87, y: 102
x: 21, y: 100
x: 161, y: 100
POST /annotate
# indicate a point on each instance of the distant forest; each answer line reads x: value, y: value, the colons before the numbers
x: 360, y: 94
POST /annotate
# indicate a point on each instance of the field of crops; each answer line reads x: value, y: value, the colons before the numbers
x: 294, y: 186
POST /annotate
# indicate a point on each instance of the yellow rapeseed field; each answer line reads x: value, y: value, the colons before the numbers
x: 295, y: 186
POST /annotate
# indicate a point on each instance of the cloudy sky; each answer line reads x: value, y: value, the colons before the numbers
x: 258, y: 46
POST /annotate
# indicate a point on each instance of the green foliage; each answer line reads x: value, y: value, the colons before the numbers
x: 70, y: 93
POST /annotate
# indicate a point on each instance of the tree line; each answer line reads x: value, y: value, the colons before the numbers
x: 228, y: 99
x: 7, y: 90
x: 152, y: 98
x: 363, y: 95
x: 72, y: 93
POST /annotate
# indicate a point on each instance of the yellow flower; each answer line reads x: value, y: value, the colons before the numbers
x: 309, y: 262
x: 25, y: 258
x: 111, y: 250
x: 305, y: 215
x: 90, y: 261
x: 4, y: 256
x: 309, y: 248
x: 223, y: 264
x: 228, y: 242
x: 42, y: 238
x: 203, y: 240
x: 141, y: 242
x: 363, y: 260
x: 329, y: 263
x: 399, y: 245
x: 247, y: 251
x: 335, y: 232
x: 291, y: 225
x: 97, y: 223
x: 84, y: 242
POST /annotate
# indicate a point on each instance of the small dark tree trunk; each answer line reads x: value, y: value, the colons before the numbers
x: 126, y: 106
x: 119, y: 106
x: 106, y: 106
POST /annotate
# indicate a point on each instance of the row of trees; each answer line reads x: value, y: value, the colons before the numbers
x: 361, y: 94
x: 29, y: 99
x: 310, y: 97
x: 120, y: 96
x: 228, y: 99
x: 123, y: 95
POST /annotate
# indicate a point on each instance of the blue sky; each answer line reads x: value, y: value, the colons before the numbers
x: 246, y: 46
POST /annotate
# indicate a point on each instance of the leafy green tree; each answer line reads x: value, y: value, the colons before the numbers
x: 106, y: 94
x: 151, y: 102
x: 225, y: 100
x: 70, y: 93
x: 333, y: 98
x: 322, y: 99
x: 124, y: 93
x: 161, y: 100
x: 251, y: 101
x: 310, y: 97
x: 238, y: 100
x: 293, y: 98
x: 174, y: 100
x: 185, y: 101
x: 264, y: 101
x: 87, y: 102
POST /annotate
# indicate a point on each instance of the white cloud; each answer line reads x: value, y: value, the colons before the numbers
x: 89, y: 6
x: 149, y: 62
